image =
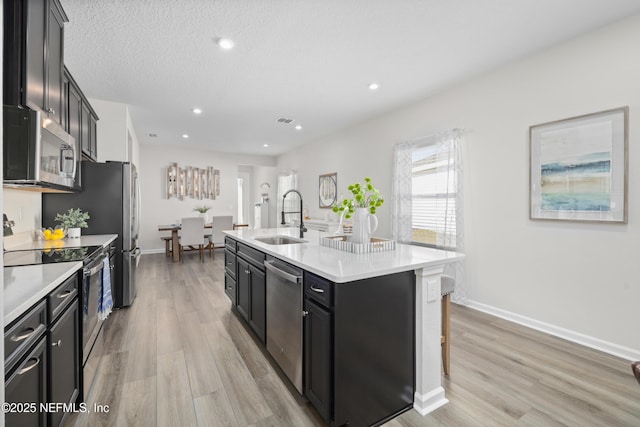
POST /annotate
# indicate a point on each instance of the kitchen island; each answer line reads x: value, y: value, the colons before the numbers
x: 359, y: 279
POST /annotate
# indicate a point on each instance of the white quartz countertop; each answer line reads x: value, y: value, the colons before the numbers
x: 25, y: 286
x: 88, y: 240
x: 341, y: 266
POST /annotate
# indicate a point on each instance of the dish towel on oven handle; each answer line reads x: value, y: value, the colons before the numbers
x: 105, y: 302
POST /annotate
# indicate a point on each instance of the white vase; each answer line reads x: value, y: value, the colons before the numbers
x: 73, y: 233
x: 364, y: 225
x: 205, y: 215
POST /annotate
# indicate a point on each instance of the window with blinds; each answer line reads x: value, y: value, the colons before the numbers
x: 433, y: 188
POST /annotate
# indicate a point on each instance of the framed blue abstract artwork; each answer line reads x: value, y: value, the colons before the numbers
x: 578, y: 168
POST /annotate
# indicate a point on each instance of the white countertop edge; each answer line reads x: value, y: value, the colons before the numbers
x: 25, y: 286
x: 371, y: 264
x: 84, y: 240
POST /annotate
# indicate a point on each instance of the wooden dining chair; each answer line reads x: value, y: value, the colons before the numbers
x: 191, y: 236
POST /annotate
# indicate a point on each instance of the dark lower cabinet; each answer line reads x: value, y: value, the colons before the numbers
x: 43, y: 368
x: 258, y: 307
x: 27, y: 385
x: 230, y: 288
x: 243, y: 288
x: 317, y: 358
x: 64, y: 359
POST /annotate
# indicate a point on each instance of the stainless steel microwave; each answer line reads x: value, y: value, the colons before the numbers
x: 38, y: 152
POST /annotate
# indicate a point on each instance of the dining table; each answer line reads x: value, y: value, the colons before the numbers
x: 175, y: 238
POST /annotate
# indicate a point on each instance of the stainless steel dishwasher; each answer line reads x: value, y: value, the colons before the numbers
x: 284, y: 317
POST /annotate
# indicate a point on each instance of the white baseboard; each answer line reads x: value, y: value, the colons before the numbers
x: 576, y: 337
x: 152, y: 251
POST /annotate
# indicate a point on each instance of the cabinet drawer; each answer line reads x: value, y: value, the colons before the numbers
x: 230, y: 288
x: 252, y: 255
x: 20, y: 335
x: 62, y: 296
x: 230, y: 244
x: 318, y: 289
x: 230, y: 262
x: 28, y: 384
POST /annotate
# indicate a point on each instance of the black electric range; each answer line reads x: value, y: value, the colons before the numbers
x: 49, y: 256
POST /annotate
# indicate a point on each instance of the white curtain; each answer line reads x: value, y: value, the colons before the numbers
x: 401, y: 228
x: 450, y: 232
x: 287, y: 181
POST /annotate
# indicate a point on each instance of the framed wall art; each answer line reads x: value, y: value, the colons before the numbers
x: 578, y: 168
x: 328, y: 190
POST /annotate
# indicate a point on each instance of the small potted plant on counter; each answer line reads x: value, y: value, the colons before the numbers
x: 73, y: 220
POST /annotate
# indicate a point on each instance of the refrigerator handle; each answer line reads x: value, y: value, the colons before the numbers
x: 136, y: 225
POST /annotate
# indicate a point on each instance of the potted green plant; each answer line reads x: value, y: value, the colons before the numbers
x: 73, y: 220
x: 362, y: 206
x: 203, y: 212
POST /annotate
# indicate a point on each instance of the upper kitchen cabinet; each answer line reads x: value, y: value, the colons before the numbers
x: 82, y: 119
x: 33, y: 55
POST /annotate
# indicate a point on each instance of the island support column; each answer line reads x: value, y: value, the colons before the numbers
x: 429, y: 394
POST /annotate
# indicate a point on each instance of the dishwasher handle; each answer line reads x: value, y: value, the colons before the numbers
x: 269, y: 265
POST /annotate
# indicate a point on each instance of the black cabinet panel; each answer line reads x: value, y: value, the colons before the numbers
x: 374, y: 348
x: 64, y: 361
x: 258, y: 317
x: 243, y: 288
x: 230, y: 288
x: 230, y: 262
x: 35, y: 66
x: 54, y: 56
x: 317, y: 358
x: 27, y: 383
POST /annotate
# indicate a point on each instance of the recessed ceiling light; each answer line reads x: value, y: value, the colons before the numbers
x: 265, y: 145
x: 185, y: 136
x: 196, y: 110
x: 373, y: 86
x: 225, y: 44
x: 298, y: 127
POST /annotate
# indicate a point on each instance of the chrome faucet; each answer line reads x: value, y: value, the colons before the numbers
x: 302, y: 227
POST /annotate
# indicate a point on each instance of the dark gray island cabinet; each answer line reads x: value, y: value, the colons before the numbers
x: 366, y: 356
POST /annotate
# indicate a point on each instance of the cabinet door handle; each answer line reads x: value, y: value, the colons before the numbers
x: 30, y: 367
x: 320, y: 291
x: 26, y: 333
x: 305, y: 313
x: 56, y: 343
x: 247, y: 271
x: 51, y: 110
x: 64, y: 294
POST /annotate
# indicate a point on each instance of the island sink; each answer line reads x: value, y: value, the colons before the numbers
x: 279, y: 240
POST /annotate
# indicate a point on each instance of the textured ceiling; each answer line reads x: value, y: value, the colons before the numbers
x: 309, y: 60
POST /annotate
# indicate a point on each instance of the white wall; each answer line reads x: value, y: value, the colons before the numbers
x: 114, y: 126
x: 158, y: 210
x: 24, y: 208
x: 269, y: 175
x: 581, y: 281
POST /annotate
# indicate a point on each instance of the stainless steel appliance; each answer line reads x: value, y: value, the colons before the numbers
x: 37, y: 151
x: 93, y: 263
x: 284, y: 317
x: 92, y: 335
x: 110, y: 196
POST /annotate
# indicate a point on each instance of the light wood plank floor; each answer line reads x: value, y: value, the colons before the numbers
x: 180, y: 357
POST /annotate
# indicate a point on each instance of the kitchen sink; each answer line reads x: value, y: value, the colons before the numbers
x: 279, y: 240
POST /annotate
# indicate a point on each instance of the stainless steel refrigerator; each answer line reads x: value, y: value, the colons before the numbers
x: 110, y: 195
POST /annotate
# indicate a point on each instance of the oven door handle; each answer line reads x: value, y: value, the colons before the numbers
x: 96, y: 268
